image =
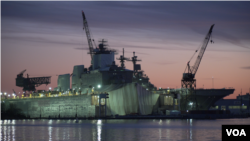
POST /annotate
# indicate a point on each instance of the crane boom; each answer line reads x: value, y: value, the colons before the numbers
x: 189, y: 76
x: 85, y: 25
x: 14, y: 91
x: 21, y: 73
x: 201, y: 53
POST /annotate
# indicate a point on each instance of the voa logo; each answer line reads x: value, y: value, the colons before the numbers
x: 236, y: 132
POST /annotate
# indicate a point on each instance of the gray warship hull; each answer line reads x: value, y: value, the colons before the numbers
x: 205, y: 98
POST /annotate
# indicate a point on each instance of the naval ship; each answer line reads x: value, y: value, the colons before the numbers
x: 105, y: 88
x: 122, y: 91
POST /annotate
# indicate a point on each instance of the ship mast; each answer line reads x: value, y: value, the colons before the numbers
x: 136, y: 66
x: 122, y: 59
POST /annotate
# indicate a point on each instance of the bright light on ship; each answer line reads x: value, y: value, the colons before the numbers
x: 99, y: 86
x: 99, y: 122
x: 191, y: 103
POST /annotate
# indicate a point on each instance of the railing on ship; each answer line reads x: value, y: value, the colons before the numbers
x: 216, y: 88
x: 94, y: 101
x: 41, y: 95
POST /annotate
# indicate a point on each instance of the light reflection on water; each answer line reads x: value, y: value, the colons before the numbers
x: 119, y: 130
x: 99, y: 129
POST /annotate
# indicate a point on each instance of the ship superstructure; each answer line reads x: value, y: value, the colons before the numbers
x: 101, y: 73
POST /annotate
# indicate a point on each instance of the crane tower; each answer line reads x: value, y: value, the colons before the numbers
x: 188, y: 80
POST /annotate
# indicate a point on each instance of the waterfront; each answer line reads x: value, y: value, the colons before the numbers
x: 118, y: 130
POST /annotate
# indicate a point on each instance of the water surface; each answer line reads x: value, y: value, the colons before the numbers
x: 115, y: 130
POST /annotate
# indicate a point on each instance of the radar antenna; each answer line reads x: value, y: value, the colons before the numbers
x: 122, y: 59
x: 136, y: 66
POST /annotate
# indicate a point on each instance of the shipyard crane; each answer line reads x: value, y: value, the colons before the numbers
x: 14, y: 91
x: 188, y: 80
x: 85, y: 26
x: 188, y: 77
x: 29, y: 84
x: 21, y: 73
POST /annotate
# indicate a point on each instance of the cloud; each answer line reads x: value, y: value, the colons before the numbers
x: 150, y: 46
x: 135, y: 53
x: 219, y: 34
x: 143, y: 15
x: 164, y: 18
x: 82, y: 49
x: 116, y: 51
x: 231, y: 39
x: 165, y: 63
x: 221, y: 50
x: 248, y: 67
x: 43, y: 40
x: 147, y: 47
x: 209, y: 78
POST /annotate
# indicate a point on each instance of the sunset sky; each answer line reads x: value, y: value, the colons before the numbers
x: 47, y: 39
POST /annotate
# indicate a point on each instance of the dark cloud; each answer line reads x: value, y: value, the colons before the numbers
x: 157, y: 15
x: 43, y: 40
x: 248, y: 67
x: 117, y: 51
x: 156, y: 20
x: 135, y: 53
x: 177, y: 46
x: 153, y: 48
x: 231, y: 39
